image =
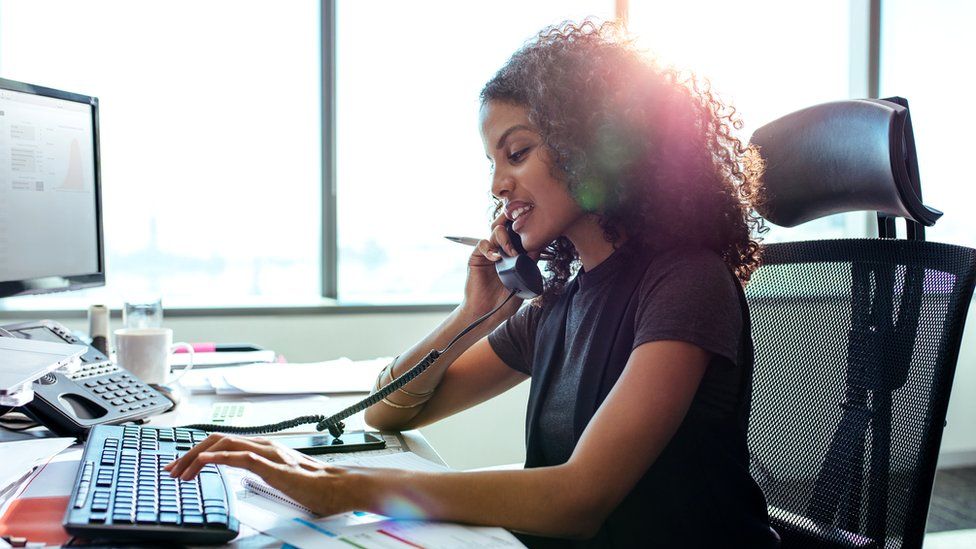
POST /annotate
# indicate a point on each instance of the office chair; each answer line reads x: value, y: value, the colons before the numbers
x: 856, y: 340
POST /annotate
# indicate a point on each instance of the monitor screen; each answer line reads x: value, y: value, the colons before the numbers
x: 50, y: 205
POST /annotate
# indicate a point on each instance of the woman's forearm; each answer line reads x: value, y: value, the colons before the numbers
x: 385, y: 417
x: 547, y: 501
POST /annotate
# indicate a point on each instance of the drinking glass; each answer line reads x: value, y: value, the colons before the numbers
x: 145, y: 313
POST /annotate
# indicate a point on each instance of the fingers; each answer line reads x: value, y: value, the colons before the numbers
x: 179, y: 464
x: 499, y: 235
x: 497, y: 242
x: 488, y: 250
x: 273, y: 473
x: 189, y: 465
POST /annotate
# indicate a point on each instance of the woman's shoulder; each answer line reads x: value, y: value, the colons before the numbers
x: 693, y: 265
x: 690, y: 295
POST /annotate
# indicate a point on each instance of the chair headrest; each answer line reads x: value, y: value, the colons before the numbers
x: 843, y: 156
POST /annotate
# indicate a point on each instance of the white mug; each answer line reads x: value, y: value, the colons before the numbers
x: 146, y: 351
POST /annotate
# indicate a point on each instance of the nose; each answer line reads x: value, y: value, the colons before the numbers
x: 501, y: 184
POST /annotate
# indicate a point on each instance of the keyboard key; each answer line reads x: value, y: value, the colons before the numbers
x: 192, y: 519
x: 169, y: 518
x: 215, y: 509
x: 210, y: 485
x: 144, y: 518
x: 217, y: 518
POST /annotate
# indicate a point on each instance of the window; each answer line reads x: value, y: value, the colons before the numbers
x: 409, y: 160
x: 210, y: 140
x: 768, y: 58
x: 924, y: 59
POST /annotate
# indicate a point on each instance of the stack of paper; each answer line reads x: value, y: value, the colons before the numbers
x: 334, y: 376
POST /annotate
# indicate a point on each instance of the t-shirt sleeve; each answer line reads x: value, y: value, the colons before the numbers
x: 514, y: 340
x: 690, y: 297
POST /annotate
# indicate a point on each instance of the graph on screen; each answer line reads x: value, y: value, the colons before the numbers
x: 47, y: 183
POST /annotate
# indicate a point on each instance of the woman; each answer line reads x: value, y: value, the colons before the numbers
x: 640, y: 365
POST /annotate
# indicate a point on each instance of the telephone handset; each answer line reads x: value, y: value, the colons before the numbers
x: 93, y: 393
x: 519, y: 274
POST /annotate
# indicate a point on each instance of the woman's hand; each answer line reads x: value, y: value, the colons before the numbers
x: 483, y: 290
x: 319, y: 487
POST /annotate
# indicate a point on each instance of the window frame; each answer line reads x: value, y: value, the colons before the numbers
x: 864, y: 63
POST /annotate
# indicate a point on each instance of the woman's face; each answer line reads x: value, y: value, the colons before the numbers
x: 540, y: 205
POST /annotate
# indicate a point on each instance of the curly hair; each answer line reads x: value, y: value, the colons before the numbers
x: 648, y: 150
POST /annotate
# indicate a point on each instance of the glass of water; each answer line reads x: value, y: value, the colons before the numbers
x: 144, y: 313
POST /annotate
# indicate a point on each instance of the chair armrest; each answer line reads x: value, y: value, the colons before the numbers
x: 799, y: 532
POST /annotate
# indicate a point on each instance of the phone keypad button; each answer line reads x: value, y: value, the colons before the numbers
x: 117, y: 402
x: 104, y: 381
x: 91, y: 384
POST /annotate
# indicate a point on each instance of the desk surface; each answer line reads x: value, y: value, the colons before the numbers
x: 197, y: 408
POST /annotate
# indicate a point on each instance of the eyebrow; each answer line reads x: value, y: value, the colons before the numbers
x: 509, y: 131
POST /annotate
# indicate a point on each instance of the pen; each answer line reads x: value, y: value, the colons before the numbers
x: 221, y: 348
x: 466, y: 240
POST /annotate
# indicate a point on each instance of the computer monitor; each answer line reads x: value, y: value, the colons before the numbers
x: 50, y: 191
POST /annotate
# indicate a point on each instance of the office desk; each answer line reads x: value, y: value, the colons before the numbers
x: 196, y: 409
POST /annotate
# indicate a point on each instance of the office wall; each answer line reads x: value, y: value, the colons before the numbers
x: 492, y: 433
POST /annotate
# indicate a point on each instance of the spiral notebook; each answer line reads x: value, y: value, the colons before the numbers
x: 259, y: 487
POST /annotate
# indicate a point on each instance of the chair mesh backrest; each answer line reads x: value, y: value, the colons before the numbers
x: 809, y: 304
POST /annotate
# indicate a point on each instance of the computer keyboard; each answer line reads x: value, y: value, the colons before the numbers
x: 121, y: 491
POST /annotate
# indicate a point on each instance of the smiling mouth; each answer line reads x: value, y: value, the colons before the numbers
x: 521, y: 211
x: 519, y: 216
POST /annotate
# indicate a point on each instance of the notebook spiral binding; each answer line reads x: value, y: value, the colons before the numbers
x: 263, y: 489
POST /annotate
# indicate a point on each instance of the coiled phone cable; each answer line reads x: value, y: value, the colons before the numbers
x: 334, y: 422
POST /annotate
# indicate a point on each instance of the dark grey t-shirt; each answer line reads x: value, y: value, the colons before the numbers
x: 684, y: 295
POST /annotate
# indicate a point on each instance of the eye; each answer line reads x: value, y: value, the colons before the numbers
x: 519, y: 155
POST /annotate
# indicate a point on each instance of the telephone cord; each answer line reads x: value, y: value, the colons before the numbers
x: 334, y: 422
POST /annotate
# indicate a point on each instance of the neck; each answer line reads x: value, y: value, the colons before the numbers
x: 587, y: 237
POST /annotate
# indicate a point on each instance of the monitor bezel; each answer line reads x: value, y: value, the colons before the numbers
x: 56, y: 283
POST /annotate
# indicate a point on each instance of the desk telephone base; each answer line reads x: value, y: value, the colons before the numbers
x: 94, y: 393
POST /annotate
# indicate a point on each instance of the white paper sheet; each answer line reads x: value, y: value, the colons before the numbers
x: 20, y: 456
x: 23, y: 461
x: 333, y: 376
x: 408, y: 461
